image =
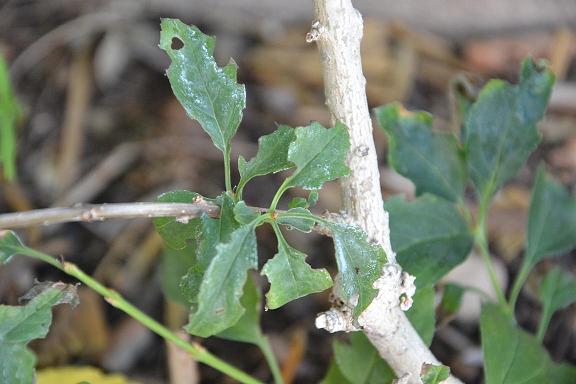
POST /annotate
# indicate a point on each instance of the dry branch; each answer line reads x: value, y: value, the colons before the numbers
x: 338, y: 31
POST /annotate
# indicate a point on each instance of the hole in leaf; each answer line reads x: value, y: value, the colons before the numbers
x: 177, y: 44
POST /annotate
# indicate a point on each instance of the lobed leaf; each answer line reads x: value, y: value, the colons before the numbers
x: 429, y: 235
x: 360, y: 363
x: 432, y: 160
x: 290, y: 276
x: 359, y: 264
x: 208, y: 93
x: 222, y: 285
x: 177, y: 233
x: 319, y: 154
x: 272, y: 155
x: 513, y: 356
x: 247, y: 328
x: 500, y: 129
x: 551, y: 220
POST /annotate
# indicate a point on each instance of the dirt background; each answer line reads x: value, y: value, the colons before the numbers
x: 101, y: 125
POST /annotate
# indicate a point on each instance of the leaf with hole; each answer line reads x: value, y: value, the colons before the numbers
x: 290, y: 276
x: 432, y: 160
x: 429, y: 235
x: 208, y: 93
x: 500, y: 129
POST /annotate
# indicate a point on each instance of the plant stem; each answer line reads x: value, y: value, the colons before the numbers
x: 117, y: 301
x: 279, y: 194
x: 482, y: 243
x: 227, y: 176
x: 266, y: 349
x: 518, y: 283
x: 544, y: 321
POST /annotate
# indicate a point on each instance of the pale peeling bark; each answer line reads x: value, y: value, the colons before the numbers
x: 338, y: 31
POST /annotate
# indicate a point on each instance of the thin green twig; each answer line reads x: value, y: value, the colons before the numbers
x: 117, y: 301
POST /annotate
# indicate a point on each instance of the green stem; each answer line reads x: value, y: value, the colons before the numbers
x: 117, y: 301
x: 264, y: 346
x: 227, y: 176
x: 279, y: 194
x: 518, y: 283
x: 544, y: 321
x: 482, y: 243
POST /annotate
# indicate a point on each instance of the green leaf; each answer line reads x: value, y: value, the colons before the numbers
x: 359, y: 361
x: 290, y: 276
x: 177, y: 233
x: 422, y: 314
x: 175, y: 264
x: 298, y: 202
x: 247, y: 329
x: 219, y: 304
x: 9, y: 243
x: 429, y: 235
x: 500, y: 129
x: 551, y: 220
x: 272, y: 155
x: 9, y: 114
x: 359, y: 264
x: 319, y: 154
x: 313, y: 198
x: 243, y: 213
x: 432, y: 160
x: 513, y: 356
x: 299, y: 218
x: 451, y: 300
x: 434, y: 374
x: 208, y: 93
x: 20, y: 325
x: 334, y: 375
x: 213, y: 232
x: 557, y: 291
x: 16, y: 364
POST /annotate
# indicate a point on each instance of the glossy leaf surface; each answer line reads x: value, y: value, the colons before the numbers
x: 319, y: 155
x: 272, y: 155
x: 290, y: 276
x: 222, y: 286
x: 359, y: 264
x: 208, y: 93
x: 432, y: 160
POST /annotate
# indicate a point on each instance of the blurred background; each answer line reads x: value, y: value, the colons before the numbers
x: 101, y: 125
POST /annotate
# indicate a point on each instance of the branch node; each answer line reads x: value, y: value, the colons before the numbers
x: 315, y: 32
